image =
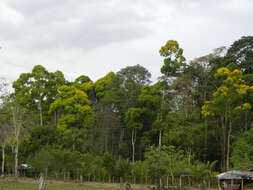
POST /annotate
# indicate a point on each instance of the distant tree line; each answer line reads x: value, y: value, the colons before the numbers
x: 196, y: 119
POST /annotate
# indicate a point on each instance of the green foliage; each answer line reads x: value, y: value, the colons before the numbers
x: 41, y: 160
x: 134, y: 74
x: 133, y: 117
x: 73, y: 105
x: 82, y: 79
x: 174, y: 59
x: 109, y: 163
x: 37, y: 90
x: 89, y: 130
x: 241, y: 53
x: 103, y: 84
x: 160, y: 163
x: 124, y: 168
x: 242, y: 154
x: 38, y: 138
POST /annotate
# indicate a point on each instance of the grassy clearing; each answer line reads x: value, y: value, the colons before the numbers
x: 11, y: 185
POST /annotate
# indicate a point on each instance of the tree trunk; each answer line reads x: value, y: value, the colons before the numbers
x: 40, y: 108
x: 16, y: 126
x: 122, y: 130
x: 160, y: 183
x: 224, y: 142
x: 161, y: 120
x: 16, y: 160
x: 172, y: 178
x: 3, y: 158
x: 228, y: 145
x: 46, y: 173
x: 205, y: 154
x: 246, y: 120
x: 55, y: 118
x: 81, y: 178
x: 189, y: 153
x: 133, y: 144
x: 160, y: 139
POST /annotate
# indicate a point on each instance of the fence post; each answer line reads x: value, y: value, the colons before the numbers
x: 42, y: 185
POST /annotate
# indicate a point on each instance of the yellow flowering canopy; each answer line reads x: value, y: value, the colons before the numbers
x: 231, y: 93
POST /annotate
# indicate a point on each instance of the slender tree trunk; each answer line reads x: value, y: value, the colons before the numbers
x: 3, y: 158
x: 160, y: 139
x: 133, y: 144
x: 189, y: 153
x: 224, y: 142
x: 121, y: 141
x: 172, y: 178
x: 55, y: 118
x: 16, y: 160
x: 246, y: 120
x: 228, y: 145
x: 161, y: 120
x: 106, y: 139
x: 205, y: 154
x: 160, y: 183
x: 16, y: 127
x: 41, y: 117
x: 81, y: 177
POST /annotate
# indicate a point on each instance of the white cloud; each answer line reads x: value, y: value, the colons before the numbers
x: 10, y: 15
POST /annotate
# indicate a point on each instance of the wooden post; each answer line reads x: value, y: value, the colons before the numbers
x: 219, y: 184
x: 42, y: 185
x: 232, y: 184
x: 242, y: 185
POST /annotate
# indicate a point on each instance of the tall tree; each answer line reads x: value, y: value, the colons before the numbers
x: 4, y: 138
x: 72, y: 105
x: 19, y: 118
x: 173, y: 64
x: 241, y: 54
x: 228, y: 101
x: 134, y: 121
x: 39, y: 89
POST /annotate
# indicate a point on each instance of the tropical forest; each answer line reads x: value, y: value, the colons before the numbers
x: 190, y: 124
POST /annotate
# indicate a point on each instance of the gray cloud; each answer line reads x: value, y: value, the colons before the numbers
x: 73, y: 24
x: 94, y: 37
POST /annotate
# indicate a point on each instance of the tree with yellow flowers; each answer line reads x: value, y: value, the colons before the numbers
x: 173, y: 64
x: 229, y: 100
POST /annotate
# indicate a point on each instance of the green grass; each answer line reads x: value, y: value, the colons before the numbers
x: 4, y: 185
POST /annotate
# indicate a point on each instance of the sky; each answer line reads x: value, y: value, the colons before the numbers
x: 94, y: 37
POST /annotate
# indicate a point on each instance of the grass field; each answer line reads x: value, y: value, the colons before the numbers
x: 30, y: 184
x: 10, y: 185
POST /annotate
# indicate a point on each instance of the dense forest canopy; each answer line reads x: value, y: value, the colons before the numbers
x: 196, y: 119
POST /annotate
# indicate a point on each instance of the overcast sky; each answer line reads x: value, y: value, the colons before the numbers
x: 94, y: 37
